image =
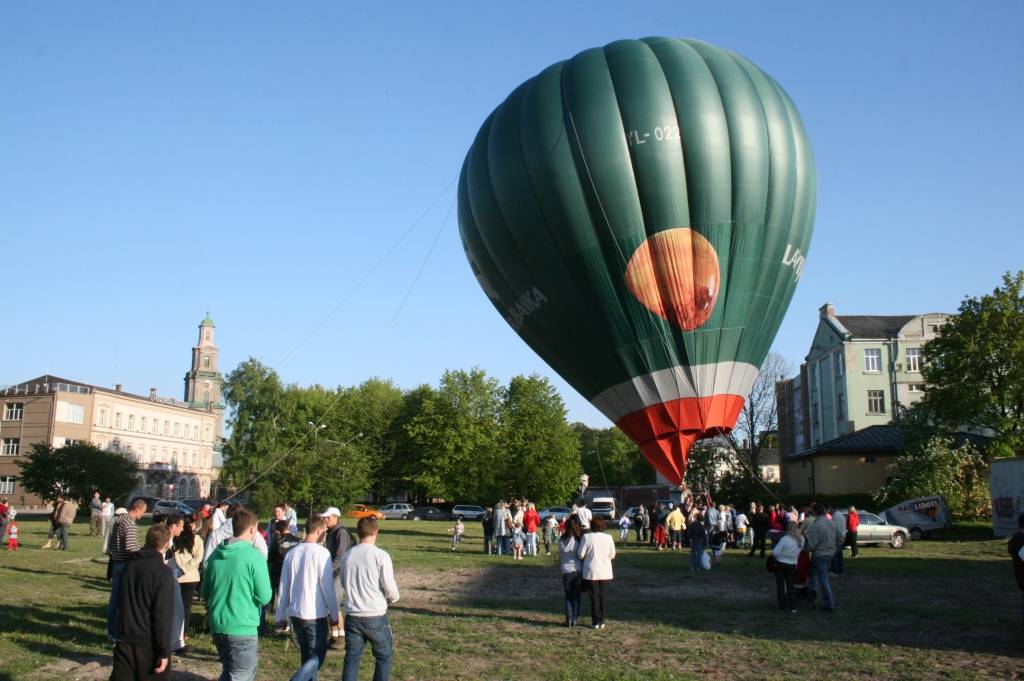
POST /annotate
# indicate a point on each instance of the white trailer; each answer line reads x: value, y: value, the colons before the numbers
x: 1006, y: 483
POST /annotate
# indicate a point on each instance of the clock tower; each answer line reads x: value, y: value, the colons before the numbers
x: 203, y: 381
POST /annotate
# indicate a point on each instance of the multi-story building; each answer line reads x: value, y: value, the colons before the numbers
x: 858, y: 373
x: 175, y: 443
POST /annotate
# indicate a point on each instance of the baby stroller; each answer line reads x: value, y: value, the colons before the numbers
x: 803, y: 594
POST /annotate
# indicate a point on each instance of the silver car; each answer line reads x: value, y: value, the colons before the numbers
x: 874, y: 530
x: 401, y: 511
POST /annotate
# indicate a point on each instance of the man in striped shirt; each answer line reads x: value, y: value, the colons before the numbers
x: 124, y: 540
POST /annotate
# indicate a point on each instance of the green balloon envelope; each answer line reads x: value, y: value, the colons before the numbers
x: 640, y: 214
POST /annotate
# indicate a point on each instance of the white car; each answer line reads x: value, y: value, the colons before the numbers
x: 468, y: 512
x: 401, y: 511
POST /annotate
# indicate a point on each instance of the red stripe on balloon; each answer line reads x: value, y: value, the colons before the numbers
x: 666, y: 431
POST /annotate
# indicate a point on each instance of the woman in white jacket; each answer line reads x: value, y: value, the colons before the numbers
x: 786, y: 554
x: 597, y: 550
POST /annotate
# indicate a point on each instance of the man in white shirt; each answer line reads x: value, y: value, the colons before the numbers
x: 226, y: 531
x: 306, y: 594
x: 369, y: 580
x: 584, y: 515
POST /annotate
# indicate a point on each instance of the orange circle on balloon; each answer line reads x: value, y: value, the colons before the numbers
x: 675, y: 275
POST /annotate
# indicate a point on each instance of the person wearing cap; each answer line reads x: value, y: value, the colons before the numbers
x: 337, y: 542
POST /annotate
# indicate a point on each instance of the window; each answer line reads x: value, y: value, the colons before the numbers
x: 7, y: 484
x: 156, y: 426
x: 814, y: 376
x: 152, y: 454
x: 933, y: 329
x: 131, y: 422
x: 13, y: 411
x: 187, y: 431
x: 167, y: 427
x: 876, y: 401
x: 206, y: 392
x: 163, y: 454
x: 839, y: 362
x: 194, y: 459
x: 117, y: 420
x: 916, y: 387
x: 206, y: 433
x: 142, y: 424
x: 840, y: 407
x: 101, y: 420
x: 206, y: 361
x: 10, y: 446
x: 69, y: 412
x: 914, y: 359
x: 174, y: 457
x: 872, y: 359
x: 177, y: 429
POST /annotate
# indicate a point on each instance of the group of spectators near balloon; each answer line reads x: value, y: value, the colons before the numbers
x: 807, y: 543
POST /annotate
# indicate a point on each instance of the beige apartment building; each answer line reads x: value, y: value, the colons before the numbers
x: 175, y: 443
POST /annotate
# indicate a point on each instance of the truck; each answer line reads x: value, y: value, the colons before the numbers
x: 920, y: 515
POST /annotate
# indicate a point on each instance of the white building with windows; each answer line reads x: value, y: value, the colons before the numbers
x: 176, y: 443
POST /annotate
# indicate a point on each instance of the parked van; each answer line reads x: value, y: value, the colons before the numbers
x: 920, y: 516
x: 603, y: 507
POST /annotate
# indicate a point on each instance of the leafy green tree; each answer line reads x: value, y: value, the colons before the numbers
x: 457, y: 433
x: 77, y: 471
x: 709, y: 466
x: 541, y: 459
x: 974, y: 368
x: 255, y: 398
x: 932, y: 465
x: 400, y: 472
x: 610, y: 458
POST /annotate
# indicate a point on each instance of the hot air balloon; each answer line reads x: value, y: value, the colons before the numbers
x: 640, y: 214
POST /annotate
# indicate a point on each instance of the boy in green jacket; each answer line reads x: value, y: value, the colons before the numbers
x: 236, y: 586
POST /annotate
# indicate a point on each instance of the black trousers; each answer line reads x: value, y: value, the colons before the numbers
x: 598, y: 589
x: 136, y: 662
x: 851, y: 541
x: 188, y: 592
x: 757, y: 543
x: 784, y: 585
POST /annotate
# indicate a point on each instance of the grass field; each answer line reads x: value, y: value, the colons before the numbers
x: 943, y: 608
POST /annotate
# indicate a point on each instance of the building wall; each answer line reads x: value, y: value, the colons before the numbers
x: 33, y: 427
x: 837, y: 474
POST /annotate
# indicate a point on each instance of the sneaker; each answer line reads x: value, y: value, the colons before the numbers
x: 596, y: 626
x: 601, y: 625
x: 793, y: 611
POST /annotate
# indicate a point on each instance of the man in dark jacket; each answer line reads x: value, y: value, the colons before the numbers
x: 337, y: 541
x: 147, y: 607
x: 759, y: 524
x: 1015, y: 546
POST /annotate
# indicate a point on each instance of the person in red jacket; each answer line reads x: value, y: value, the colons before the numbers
x: 531, y: 520
x: 852, y: 523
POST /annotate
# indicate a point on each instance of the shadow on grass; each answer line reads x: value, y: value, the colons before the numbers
x: 912, y: 603
x: 96, y: 583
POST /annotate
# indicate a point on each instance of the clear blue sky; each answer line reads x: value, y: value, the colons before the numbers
x: 256, y: 159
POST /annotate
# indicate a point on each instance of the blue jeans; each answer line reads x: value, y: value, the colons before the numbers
x: 819, y: 579
x: 837, y: 561
x: 572, y: 583
x: 309, y: 671
x: 503, y: 547
x: 359, y: 630
x: 310, y: 638
x: 238, y: 655
x: 114, y: 604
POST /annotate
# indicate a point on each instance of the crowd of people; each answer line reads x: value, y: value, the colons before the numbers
x: 323, y: 589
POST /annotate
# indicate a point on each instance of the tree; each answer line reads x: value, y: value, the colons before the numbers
x: 759, y: 415
x: 457, y: 433
x: 974, y: 368
x: 255, y: 397
x: 541, y: 455
x: 709, y: 465
x: 933, y: 465
x: 77, y: 471
x: 610, y: 458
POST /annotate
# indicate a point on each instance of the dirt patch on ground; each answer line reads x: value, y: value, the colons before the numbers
x: 98, y: 669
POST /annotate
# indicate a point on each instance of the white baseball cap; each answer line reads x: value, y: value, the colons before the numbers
x: 333, y: 510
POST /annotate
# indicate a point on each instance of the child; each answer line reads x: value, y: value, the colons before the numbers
x: 457, y: 531
x: 624, y: 528
x: 717, y: 544
x: 12, y: 533
x: 518, y: 539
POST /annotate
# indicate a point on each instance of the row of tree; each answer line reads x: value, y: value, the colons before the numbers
x: 469, y: 439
